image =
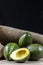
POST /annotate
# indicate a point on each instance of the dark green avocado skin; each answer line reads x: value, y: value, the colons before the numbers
x: 36, y: 51
x: 8, y: 49
x: 25, y: 40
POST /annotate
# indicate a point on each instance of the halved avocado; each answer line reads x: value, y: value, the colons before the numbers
x: 20, y: 55
x: 25, y: 40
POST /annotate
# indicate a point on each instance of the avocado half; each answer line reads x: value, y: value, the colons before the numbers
x: 20, y: 55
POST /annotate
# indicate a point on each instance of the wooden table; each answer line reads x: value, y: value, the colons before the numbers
x: 4, y: 62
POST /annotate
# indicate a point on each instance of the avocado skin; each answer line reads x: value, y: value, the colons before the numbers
x: 36, y: 51
x: 8, y: 49
x: 25, y: 40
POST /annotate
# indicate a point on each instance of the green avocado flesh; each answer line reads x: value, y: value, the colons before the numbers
x: 20, y: 55
x: 36, y: 51
x: 8, y: 49
x: 25, y: 40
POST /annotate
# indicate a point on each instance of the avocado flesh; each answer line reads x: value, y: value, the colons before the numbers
x: 20, y: 55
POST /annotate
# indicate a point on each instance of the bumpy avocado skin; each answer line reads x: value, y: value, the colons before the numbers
x: 8, y: 49
x: 36, y: 51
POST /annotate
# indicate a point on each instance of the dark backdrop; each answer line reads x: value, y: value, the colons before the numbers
x: 22, y: 14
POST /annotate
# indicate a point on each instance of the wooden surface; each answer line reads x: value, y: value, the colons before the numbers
x: 4, y: 62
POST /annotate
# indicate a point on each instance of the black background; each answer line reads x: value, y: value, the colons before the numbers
x: 23, y: 14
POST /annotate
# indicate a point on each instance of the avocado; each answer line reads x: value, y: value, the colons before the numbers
x: 8, y: 49
x: 36, y: 51
x: 25, y: 40
x: 20, y: 55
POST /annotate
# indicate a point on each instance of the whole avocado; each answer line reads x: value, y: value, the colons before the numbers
x: 36, y: 51
x: 25, y: 40
x: 8, y: 49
